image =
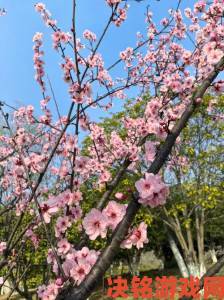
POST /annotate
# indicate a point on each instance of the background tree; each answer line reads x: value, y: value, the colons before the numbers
x: 197, y: 184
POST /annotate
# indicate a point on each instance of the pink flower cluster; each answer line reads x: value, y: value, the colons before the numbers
x: 95, y: 61
x: 60, y: 37
x: 45, y: 14
x: 136, y: 237
x: 127, y: 56
x: 37, y: 58
x: 87, y: 34
x: 97, y: 223
x: 200, y: 6
x: 55, y: 203
x: 122, y: 16
x: 78, y: 264
x: 24, y: 113
x: 50, y: 291
x: 78, y: 94
x: 121, y: 13
x: 150, y: 151
x: 212, y: 53
x: 152, y: 190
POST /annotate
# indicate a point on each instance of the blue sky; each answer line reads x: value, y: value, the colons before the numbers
x: 17, y: 28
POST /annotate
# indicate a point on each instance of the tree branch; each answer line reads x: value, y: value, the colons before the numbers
x: 87, y: 286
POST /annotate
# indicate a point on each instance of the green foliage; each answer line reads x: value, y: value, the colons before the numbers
x: 198, y: 182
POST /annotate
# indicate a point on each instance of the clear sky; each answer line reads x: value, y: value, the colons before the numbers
x: 17, y: 84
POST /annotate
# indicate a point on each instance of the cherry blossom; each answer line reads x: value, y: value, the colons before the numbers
x: 48, y: 173
x: 137, y: 237
x: 152, y: 190
x: 62, y: 224
x: 150, y: 151
x: 48, y: 292
x: 80, y: 270
x: 114, y: 213
x: 37, y: 58
x: 63, y: 247
x: 95, y: 224
x: 87, y: 34
x: 79, y: 263
x: 2, y: 247
x: 119, y: 196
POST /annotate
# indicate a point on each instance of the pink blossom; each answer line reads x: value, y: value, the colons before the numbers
x: 89, y: 255
x: 39, y: 7
x: 105, y: 176
x: 92, y: 257
x: 146, y: 186
x: 65, y: 37
x: 62, y: 224
x: 87, y: 34
x: 50, y: 256
x: 137, y: 237
x: 81, y: 163
x: 214, y: 56
x: 48, y: 292
x: 114, y: 213
x: 127, y: 56
x: 76, y: 212
x: 121, y: 15
x: 60, y: 37
x: 68, y: 264
x: 83, y: 253
x: 152, y: 190
x: 95, y: 224
x: 38, y: 61
x: 38, y: 36
x: 199, y: 6
x: 63, y: 247
x: 77, y: 197
x: 3, y: 246
x: 127, y: 243
x: 48, y: 209
x: 158, y: 198
x: 45, y: 14
x: 150, y: 151
x: 66, y: 197
x: 80, y: 270
x: 119, y: 196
